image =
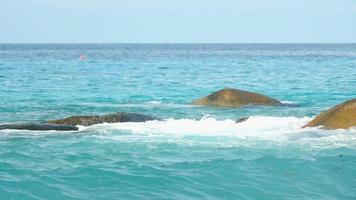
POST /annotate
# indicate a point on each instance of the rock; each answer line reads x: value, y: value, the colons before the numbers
x: 98, y: 119
x: 340, y: 116
x: 38, y: 127
x: 234, y: 98
x: 242, y: 119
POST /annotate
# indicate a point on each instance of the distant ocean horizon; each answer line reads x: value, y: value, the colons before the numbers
x: 195, y: 152
x: 181, y: 43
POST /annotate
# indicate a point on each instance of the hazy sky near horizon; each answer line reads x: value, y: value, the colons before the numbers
x: 177, y: 21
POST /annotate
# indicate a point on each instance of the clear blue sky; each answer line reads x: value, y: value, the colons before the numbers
x: 177, y: 21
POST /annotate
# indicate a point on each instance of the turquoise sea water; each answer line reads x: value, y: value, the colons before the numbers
x: 196, y: 152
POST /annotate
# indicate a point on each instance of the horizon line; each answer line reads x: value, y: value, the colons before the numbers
x: 177, y: 42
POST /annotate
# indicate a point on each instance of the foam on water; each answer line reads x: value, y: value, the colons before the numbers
x: 289, y: 102
x: 155, y: 102
x: 255, y: 126
x: 272, y: 130
x: 281, y: 130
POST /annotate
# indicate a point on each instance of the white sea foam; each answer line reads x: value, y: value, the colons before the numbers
x: 288, y: 102
x: 276, y: 130
x: 155, y: 102
x: 269, y: 128
x: 256, y: 126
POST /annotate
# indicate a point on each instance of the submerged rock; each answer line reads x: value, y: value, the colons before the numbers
x: 234, y: 98
x: 340, y: 116
x: 38, y: 127
x: 242, y: 119
x: 98, y: 119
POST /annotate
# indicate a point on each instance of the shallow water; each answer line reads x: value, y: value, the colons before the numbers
x: 197, y: 152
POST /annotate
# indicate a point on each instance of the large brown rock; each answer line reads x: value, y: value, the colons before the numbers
x: 340, y: 116
x: 234, y: 98
x: 98, y: 119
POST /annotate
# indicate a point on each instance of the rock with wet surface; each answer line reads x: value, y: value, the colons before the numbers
x: 38, y: 127
x: 340, y: 116
x: 98, y: 119
x: 242, y: 119
x: 235, y: 98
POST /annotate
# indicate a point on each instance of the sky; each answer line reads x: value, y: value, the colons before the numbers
x: 177, y: 21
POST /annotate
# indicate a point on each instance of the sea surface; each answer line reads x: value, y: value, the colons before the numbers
x: 196, y: 152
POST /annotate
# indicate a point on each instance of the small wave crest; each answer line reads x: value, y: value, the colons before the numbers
x: 155, y: 102
x: 289, y: 102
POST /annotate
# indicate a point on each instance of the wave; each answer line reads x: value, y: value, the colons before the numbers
x: 207, y: 126
x: 255, y: 132
x: 267, y: 127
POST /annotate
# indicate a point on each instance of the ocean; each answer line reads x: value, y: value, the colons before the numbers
x: 196, y: 152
